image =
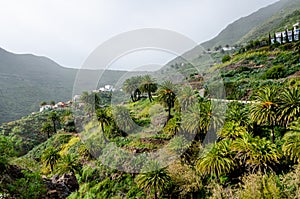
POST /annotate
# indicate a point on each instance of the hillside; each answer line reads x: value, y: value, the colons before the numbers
x: 26, y: 80
x: 252, y: 157
x: 247, y: 72
x: 257, y: 24
x: 273, y: 18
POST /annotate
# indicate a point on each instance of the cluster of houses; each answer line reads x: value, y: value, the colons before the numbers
x: 57, y: 106
x: 76, y: 99
x: 290, y: 35
x: 106, y: 88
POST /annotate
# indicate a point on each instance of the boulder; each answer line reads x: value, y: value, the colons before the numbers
x: 61, y: 186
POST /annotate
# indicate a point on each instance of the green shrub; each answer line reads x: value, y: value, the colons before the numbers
x: 226, y: 58
x: 6, y: 151
x: 31, y: 186
x: 276, y: 72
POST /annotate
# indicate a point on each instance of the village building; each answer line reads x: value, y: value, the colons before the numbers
x: 281, y: 37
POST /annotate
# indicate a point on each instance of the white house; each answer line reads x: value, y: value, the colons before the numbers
x: 76, y: 98
x: 228, y: 48
x: 46, y: 108
x: 278, y: 35
x: 107, y: 88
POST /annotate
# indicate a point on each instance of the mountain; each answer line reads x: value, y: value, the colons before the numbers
x: 26, y: 80
x: 259, y: 23
x: 276, y: 17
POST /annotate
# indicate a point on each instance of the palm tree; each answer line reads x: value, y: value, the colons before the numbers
x: 232, y: 131
x: 196, y: 120
x: 104, y: 119
x: 289, y: 105
x: 257, y: 154
x: 201, y: 116
x: 237, y: 114
x: 153, y: 177
x: 69, y: 163
x: 54, y: 118
x: 131, y: 86
x: 167, y: 96
x: 91, y: 101
x: 186, y: 97
x: 178, y: 145
x: 216, y: 160
x: 148, y: 85
x: 50, y: 157
x: 122, y: 119
x: 291, y: 145
x: 264, y: 111
x: 47, y: 128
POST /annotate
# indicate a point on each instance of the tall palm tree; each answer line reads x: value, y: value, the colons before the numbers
x: 153, y: 177
x: 289, y: 105
x: 167, y: 96
x: 122, y: 119
x: 47, y: 128
x: 291, y: 145
x: 196, y: 120
x: 104, y: 119
x: 54, y: 118
x: 148, y: 85
x: 131, y: 86
x: 91, y: 101
x: 50, y: 157
x: 216, y: 160
x: 264, y: 111
x: 186, y: 98
x: 202, y: 116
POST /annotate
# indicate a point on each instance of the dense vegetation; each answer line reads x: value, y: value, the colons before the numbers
x: 255, y: 154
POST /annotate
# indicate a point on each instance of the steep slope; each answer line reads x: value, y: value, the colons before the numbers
x: 272, y: 18
x: 284, y: 18
x: 27, y: 80
x: 265, y: 18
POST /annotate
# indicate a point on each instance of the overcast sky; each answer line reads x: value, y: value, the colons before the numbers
x: 67, y: 31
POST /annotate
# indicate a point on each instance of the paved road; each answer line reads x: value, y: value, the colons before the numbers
x: 229, y: 101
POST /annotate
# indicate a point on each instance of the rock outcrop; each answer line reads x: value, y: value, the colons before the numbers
x: 61, y: 186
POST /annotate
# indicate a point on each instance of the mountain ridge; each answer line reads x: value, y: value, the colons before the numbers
x: 27, y: 79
